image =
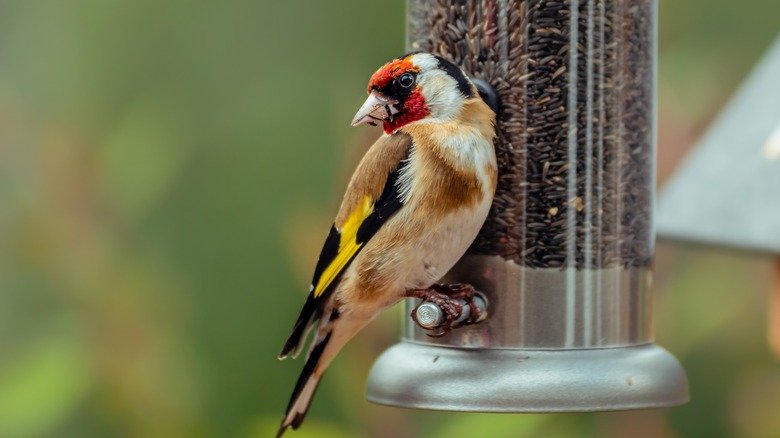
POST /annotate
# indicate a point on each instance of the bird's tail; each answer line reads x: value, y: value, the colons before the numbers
x: 331, y: 335
x: 305, y: 387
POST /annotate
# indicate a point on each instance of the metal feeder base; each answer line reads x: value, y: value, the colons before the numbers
x: 413, y: 375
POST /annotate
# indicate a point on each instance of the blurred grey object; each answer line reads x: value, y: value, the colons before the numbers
x: 727, y: 191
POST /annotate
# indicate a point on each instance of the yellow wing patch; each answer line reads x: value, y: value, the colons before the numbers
x: 348, y: 245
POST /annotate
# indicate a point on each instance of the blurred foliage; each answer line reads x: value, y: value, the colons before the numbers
x: 167, y: 173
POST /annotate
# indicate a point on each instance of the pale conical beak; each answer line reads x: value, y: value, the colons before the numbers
x: 377, y: 108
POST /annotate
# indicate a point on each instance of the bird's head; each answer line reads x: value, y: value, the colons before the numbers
x: 415, y: 87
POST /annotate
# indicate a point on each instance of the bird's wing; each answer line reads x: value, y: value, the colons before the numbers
x: 371, y: 198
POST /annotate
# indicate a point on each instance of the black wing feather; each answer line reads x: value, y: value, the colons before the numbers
x: 388, y: 203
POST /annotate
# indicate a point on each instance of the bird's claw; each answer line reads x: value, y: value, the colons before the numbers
x: 446, y: 296
x: 466, y: 293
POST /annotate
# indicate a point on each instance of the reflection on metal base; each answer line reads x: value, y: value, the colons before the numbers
x: 414, y: 375
x: 555, y: 340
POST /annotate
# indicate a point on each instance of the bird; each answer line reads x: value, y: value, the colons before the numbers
x: 413, y: 206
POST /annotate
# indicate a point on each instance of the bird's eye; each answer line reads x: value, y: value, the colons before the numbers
x: 406, y: 80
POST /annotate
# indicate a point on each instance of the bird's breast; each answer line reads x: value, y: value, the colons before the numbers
x: 449, y: 170
x: 447, y: 187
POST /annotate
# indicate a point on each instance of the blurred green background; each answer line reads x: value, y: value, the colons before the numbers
x: 168, y: 171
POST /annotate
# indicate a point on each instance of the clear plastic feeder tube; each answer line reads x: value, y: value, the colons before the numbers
x: 572, y: 219
x: 565, y: 256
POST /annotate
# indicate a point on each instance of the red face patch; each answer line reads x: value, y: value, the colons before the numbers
x: 414, y: 109
x: 390, y: 71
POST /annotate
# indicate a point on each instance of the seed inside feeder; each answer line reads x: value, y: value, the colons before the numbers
x: 575, y: 132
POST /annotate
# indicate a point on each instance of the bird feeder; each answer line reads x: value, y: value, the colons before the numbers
x: 564, y: 258
x: 727, y: 191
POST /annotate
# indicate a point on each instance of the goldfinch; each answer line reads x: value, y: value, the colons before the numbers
x: 413, y: 206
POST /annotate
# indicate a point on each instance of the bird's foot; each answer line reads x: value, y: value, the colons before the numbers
x: 449, y: 298
x: 466, y: 293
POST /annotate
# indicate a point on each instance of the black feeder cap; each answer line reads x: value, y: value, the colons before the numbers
x: 488, y: 94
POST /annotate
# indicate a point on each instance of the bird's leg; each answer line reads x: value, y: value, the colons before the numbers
x: 447, y: 297
x: 466, y: 293
x: 450, y: 307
